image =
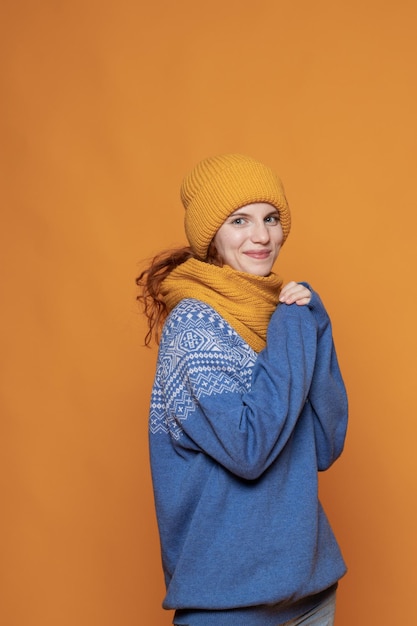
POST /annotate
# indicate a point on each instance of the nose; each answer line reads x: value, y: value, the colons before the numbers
x: 260, y: 233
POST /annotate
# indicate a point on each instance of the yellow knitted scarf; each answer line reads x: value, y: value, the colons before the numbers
x: 244, y: 300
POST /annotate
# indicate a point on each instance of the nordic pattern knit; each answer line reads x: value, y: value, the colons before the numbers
x: 236, y: 439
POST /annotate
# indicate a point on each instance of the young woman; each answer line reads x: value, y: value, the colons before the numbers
x: 248, y: 404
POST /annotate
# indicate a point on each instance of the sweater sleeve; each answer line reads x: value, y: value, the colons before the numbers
x: 327, y: 395
x: 243, y: 431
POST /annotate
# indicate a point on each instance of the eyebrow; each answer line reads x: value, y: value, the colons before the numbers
x: 241, y: 213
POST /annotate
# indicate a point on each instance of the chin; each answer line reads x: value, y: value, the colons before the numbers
x: 258, y: 271
x: 261, y: 268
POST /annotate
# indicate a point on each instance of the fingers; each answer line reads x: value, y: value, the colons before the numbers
x: 295, y: 293
x: 303, y: 301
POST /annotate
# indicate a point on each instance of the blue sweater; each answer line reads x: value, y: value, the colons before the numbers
x: 236, y: 440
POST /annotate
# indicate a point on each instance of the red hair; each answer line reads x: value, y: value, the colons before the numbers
x: 151, y: 279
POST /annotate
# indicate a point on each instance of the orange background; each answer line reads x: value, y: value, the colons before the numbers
x: 104, y: 107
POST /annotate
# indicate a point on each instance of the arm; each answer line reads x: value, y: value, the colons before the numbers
x: 327, y: 395
x: 243, y: 431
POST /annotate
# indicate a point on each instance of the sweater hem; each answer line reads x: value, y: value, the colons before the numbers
x: 262, y: 615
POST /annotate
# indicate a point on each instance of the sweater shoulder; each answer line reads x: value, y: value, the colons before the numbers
x: 200, y: 354
x: 195, y: 326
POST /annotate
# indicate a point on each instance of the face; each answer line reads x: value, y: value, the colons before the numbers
x: 250, y: 239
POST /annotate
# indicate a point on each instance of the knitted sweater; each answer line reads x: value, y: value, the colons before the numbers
x: 236, y: 440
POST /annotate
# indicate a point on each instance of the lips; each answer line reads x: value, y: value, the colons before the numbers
x: 258, y: 254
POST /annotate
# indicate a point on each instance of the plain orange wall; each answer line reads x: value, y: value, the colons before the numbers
x: 104, y: 107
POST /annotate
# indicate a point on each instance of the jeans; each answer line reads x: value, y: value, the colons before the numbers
x: 321, y: 615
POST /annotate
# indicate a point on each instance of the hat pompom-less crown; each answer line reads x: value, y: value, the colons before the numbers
x: 218, y: 186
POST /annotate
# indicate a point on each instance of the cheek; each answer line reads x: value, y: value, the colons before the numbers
x: 278, y: 237
x: 278, y: 243
x: 224, y: 242
x: 217, y: 241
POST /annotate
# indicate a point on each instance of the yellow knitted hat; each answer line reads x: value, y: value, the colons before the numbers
x: 220, y: 185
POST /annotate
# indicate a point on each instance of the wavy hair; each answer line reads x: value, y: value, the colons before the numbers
x: 151, y: 278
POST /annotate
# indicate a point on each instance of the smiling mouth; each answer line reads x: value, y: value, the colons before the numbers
x: 261, y: 254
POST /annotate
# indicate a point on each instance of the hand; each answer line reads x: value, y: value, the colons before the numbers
x: 295, y: 292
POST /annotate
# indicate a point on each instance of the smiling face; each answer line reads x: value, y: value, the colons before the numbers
x: 250, y: 239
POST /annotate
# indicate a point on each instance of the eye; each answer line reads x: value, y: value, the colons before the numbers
x: 238, y: 221
x: 272, y: 219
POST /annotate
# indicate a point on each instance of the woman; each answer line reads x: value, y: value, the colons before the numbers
x: 248, y: 404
